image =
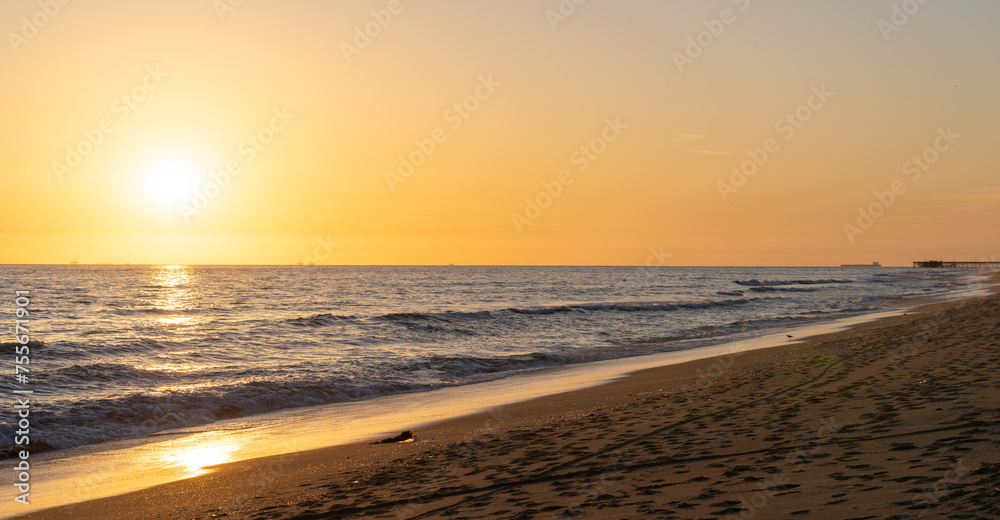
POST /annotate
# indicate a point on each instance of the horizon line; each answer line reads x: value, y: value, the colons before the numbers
x: 433, y: 265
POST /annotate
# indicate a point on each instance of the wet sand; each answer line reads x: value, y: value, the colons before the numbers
x: 898, y: 418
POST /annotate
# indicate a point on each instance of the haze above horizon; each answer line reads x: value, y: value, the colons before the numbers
x: 391, y: 132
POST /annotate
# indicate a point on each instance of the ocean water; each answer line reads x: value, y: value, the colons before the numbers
x: 129, y: 351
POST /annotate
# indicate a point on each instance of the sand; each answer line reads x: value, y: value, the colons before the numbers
x: 898, y: 418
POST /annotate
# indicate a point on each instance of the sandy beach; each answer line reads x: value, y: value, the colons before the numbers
x: 396, y: 259
x: 893, y: 419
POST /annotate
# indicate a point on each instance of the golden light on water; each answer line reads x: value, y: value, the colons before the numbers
x: 174, y: 320
x: 173, y: 368
x: 173, y: 285
x: 180, y: 388
x: 171, y: 275
x: 202, y: 454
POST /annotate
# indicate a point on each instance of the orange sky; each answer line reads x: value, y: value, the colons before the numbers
x: 623, y: 119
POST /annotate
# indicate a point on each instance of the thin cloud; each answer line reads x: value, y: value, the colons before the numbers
x: 687, y: 137
x: 976, y: 200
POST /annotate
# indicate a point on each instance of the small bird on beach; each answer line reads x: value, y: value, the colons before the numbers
x: 789, y: 335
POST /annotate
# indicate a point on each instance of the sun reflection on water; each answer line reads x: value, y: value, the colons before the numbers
x: 180, y: 388
x: 175, y: 320
x: 174, y: 284
x: 195, y: 457
x: 174, y: 291
x: 172, y: 368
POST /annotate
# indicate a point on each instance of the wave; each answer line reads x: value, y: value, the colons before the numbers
x: 161, y: 310
x: 427, y: 319
x: 453, y: 367
x: 320, y: 320
x: 130, y: 311
x: 769, y: 288
x: 35, y: 343
x: 71, y: 423
x: 91, y: 421
x: 772, y: 322
x: 753, y: 282
x: 864, y: 303
x: 629, y: 306
x: 466, y: 316
x: 545, y: 309
x: 101, y: 372
x: 327, y: 319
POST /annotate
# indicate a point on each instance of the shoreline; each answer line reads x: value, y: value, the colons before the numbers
x: 273, y: 471
x: 182, y: 412
x: 111, y: 468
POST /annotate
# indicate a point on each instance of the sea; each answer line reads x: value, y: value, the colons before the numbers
x: 123, y: 352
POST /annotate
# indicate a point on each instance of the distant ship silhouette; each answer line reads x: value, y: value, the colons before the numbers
x: 873, y: 264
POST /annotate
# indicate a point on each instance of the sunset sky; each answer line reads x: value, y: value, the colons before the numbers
x: 624, y: 119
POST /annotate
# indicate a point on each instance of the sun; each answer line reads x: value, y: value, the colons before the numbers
x: 171, y: 182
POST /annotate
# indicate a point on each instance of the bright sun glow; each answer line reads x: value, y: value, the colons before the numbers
x: 171, y: 182
x: 195, y: 458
